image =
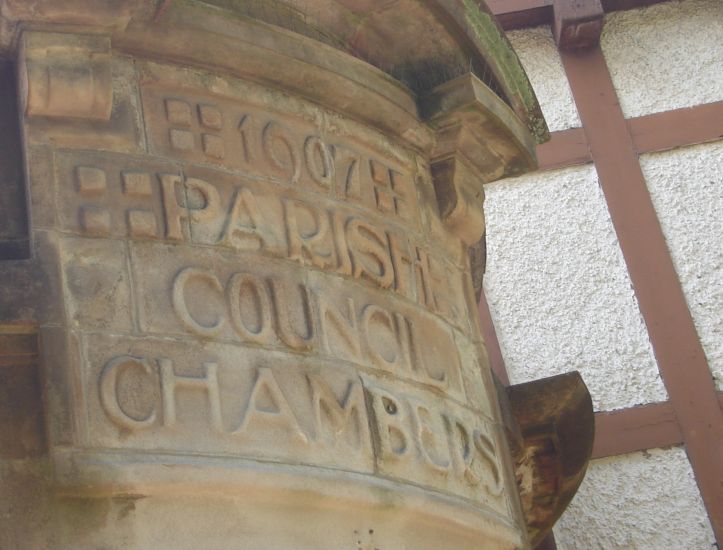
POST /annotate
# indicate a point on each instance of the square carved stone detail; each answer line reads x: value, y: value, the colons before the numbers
x: 137, y: 183
x: 66, y: 75
x: 142, y: 223
x: 213, y: 146
x: 178, y: 112
x: 210, y: 117
x: 181, y: 139
x: 91, y: 181
x: 95, y: 220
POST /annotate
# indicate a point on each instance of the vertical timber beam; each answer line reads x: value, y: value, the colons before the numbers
x: 681, y: 360
x: 492, y: 344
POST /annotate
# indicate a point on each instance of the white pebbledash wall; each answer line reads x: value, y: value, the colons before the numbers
x: 557, y: 284
x: 559, y: 291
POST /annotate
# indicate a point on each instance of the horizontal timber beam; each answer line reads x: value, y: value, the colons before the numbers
x: 518, y: 14
x: 635, y: 429
x: 650, y: 133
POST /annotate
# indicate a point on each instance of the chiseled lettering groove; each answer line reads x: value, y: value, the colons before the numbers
x: 332, y: 417
x: 268, y: 405
x: 411, y: 433
x: 272, y: 311
x: 188, y: 209
x: 262, y: 145
x: 109, y: 392
x: 170, y: 382
x: 426, y: 440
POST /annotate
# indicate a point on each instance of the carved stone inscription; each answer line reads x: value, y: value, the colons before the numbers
x: 199, y: 206
x: 287, y: 150
x: 175, y: 396
x: 213, y: 295
x: 278, y: 298
x: 263, y: 405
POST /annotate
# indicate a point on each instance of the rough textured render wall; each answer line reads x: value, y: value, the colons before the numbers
x: 666, y: 56
x: 559, y: 290
x: 538, y: 54
x: 686, y: 186
x: 641, y: 500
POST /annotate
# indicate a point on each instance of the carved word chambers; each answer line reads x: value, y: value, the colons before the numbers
x: 211, y: 208
x: 294, y: 413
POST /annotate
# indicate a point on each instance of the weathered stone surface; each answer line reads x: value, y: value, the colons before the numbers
x: 120, y: 130
x: 21, y: 408
x: 98, y: 291
x: 66, y: 75
x: 460, y: 196
x: 148, y: 395
x: 251, y: 285
x: 434, y: 443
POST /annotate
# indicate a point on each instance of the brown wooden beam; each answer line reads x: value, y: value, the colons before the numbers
x: 635, y: 429
x: 518, y: 14
x: 565, y: 148
x: 489, y: 334
x: 677, y: 128
x: 681, y: 360
x: 650, y: 133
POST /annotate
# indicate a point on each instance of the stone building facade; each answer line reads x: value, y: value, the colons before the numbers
x: 241, y: 249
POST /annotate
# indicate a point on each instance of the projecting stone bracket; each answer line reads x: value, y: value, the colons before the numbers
x: 460, y: 196
x: 479, y: 139
x: 65, y: 75
x: 471, y: 120
x: 550, y: 428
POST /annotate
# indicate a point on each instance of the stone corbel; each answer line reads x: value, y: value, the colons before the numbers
x: 479, y: 139
x: 550, y: 428
x: 460, y: 197
x: 65, y: 75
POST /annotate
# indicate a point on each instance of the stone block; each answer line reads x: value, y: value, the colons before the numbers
x: 426, y: 439
x: 98, y: 295
x: 31, y: 293
x: 119, y: 196
x: 178, y: 112
x: 91, y: 181
x: 21, y: 409
x: 475, y: 374
x: 471, y: 120
x: 94, y: 221
x: 66, y: 75
x: 121, y: 131
x: 218, y: 295
x: 460, y: 195
x: 60, y: 364
x: 41, y: 186
x: 137, y: 184
x: 176, y: 396
x: 284, y: 148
